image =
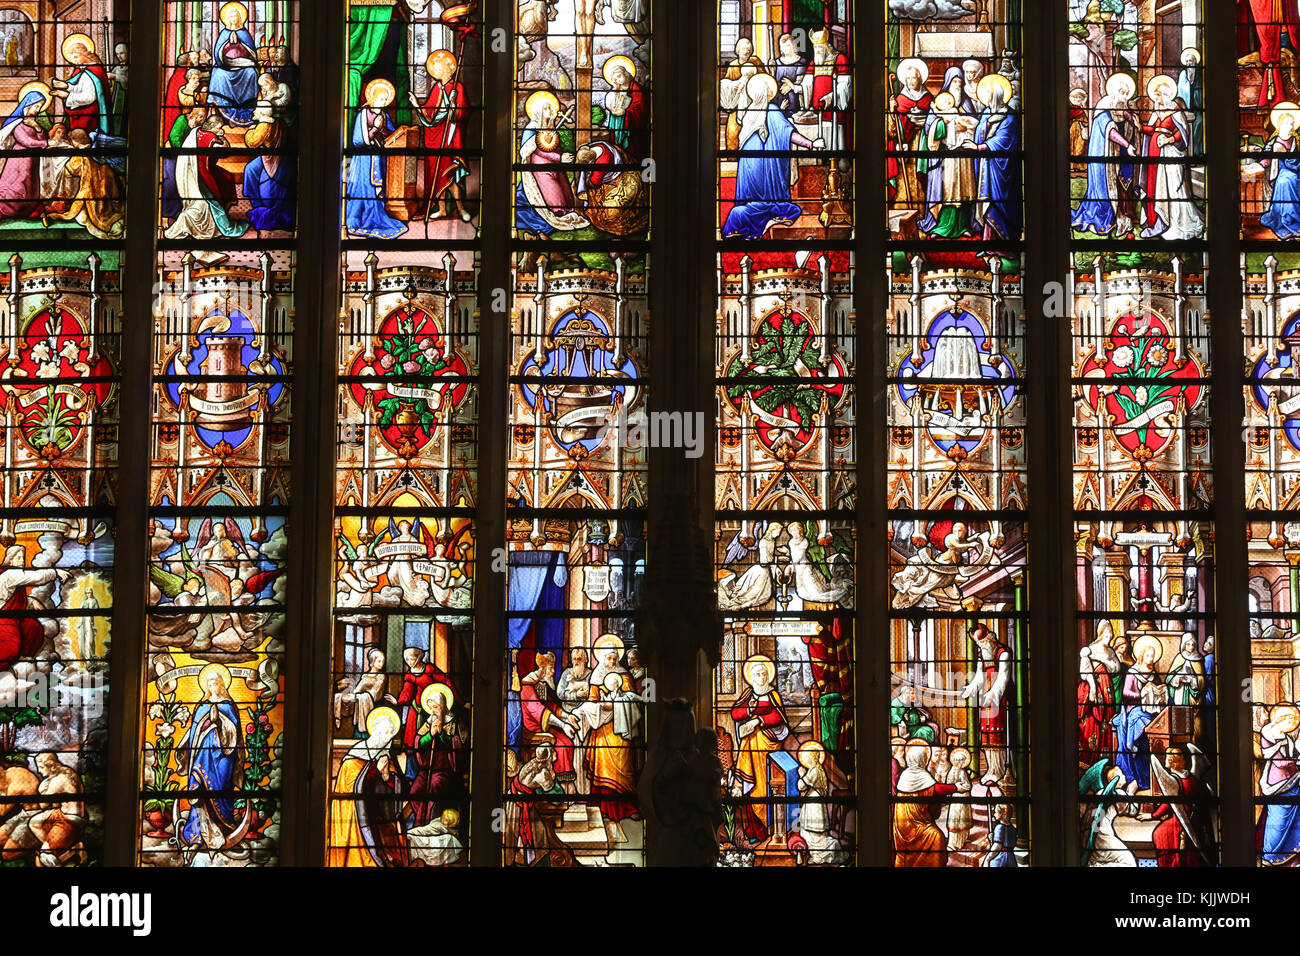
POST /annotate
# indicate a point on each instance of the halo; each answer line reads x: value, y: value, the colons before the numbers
x: 1281, y: 710
x: 1142, y: 643
x: 437, y: 55
x: 1283, y: 109
x: 761, y: 88
x: 623, y: 61
x: 385, y: 714
x: 375, y: 87
x: 606, y: 641
x: 908, y: 64
x: 753, y: 664
x: 536, y: 100
x: 985, y: 90
x: 79, y: 39
x: 1161, y: 80
x: 1121, y: 79
x: 233, y: 5
x: 36, y: 86
x: 220, y: 670
x: 811, y: 754
x: 442, y: 690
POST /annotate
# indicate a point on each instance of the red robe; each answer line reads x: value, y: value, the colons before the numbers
x: 824, y: 83
x: 172, y: 108
x: 1173, y: 846
x: 903, y: 106
x: 445, y: 169
x: 408, y: 701
x: 634, y: 118
x: 1165, y: 127
x: 536, y: 721
x: 19, y: 636
x: 993, y: 723
x: 87, y: 117
x: 1267, y: 20
x: 1096, y: 732
x: 220, y: 184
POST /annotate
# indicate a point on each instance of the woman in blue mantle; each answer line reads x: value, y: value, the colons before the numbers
x: 763, y: 172
x: 1283, y: 215
x: 1280, y: 840
x: 213, y: 755
x: 1111, y: 153
x: 997, y: 138
x: 367, y: 213
x: 233, y: 86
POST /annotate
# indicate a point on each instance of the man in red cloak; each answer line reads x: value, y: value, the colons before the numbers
x: 419, y: 675
x: 543, y: 715
x: 1271, y: 20
x: 443, y: 117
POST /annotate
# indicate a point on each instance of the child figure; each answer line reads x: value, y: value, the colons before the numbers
x: 959, y: 812
x: 436, y: 843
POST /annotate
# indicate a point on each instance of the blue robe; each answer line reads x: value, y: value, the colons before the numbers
x: 1097, y: 211
x: 1283, y: 215
x: 213, y: 769
x: 272, y: 197
x: 1004, y: 834
x: 233, y: 90
x: 1133, y: 752
x: 763, y: 181
x: 788, y: 103
x: 366, y: 213
x: 1281, y: 829
x: 999, y: 175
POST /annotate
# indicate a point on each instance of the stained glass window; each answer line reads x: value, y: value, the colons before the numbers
x: 1269, y: 116
x: 62, y: 224
x: 497, y: 302
x: 218, y: 487
x: 785, y: 542
x: 406, y: 485
x: 1143, y: 495
x: 575, y: 676
x: 957, y: 495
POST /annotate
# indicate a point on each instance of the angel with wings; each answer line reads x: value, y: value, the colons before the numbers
x: 754, y: 587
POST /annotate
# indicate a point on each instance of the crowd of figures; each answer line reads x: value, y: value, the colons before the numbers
x: 60, y: 146
x: 795, y: 102
x: 52, y: 702
x: 1139, y: 163
x: 400, y: 789
x: 229, y: 111
x: 954, y: 149
x: 582, y: 175
x: 1145, y: 721
x: 573, y: 761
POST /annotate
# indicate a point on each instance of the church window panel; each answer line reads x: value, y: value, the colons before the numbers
x: 62, y: 226
x: 785, y: 539
x: 957, y: 481
x: 219, y: 496
x: 1144, y: 506
x: 575, y: 677
x: 406, y: 486
x: 1269, y: 116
